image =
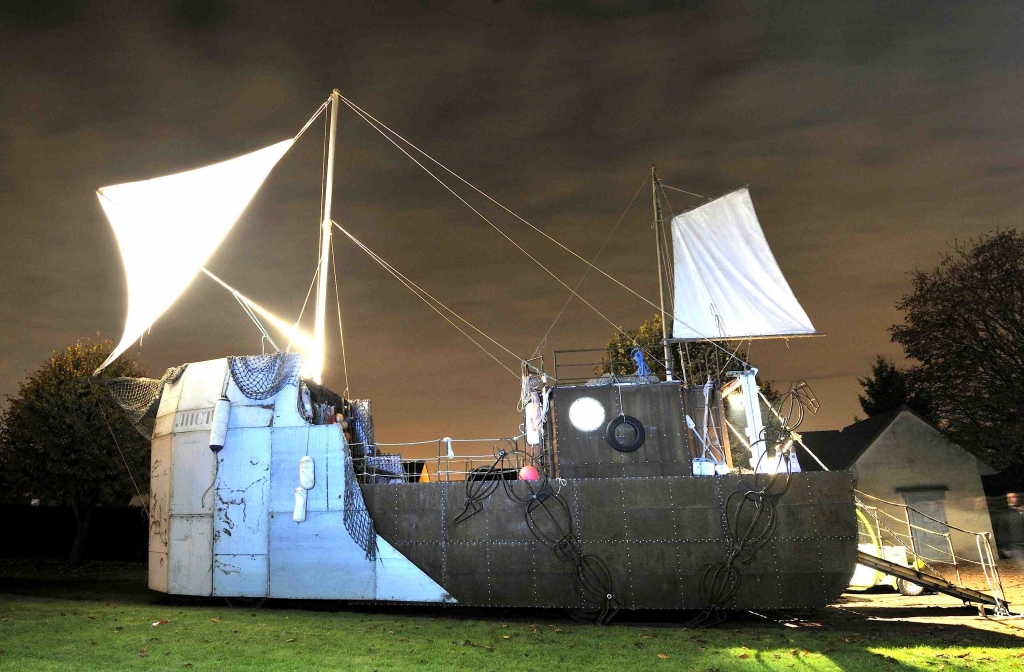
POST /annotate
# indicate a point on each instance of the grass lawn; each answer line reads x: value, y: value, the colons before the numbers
x: 43, y: 627
x: 61, y: 634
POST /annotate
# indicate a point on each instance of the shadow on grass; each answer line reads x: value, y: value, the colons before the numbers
x: 856, y: 636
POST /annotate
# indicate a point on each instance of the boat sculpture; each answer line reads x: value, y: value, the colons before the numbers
x: 615, y: 494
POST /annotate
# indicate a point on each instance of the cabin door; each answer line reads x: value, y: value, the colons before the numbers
x: 927, y: 507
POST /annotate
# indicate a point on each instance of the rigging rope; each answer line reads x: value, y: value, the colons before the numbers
x: 424, y: 295
x: 295, y: 328
x: 312, y: 119
x: 706, y: 198
x: 341, y: 331
x: 666, y: 253
x: 544, y: 340
x: 99, y: 405
x: 255, y: 320
x: 377, y: 125
x: 496, y: 228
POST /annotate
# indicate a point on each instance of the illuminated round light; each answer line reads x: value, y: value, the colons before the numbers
x: 586, y: 414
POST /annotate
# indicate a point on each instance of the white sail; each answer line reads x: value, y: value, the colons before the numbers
x: 727, y: 282
x: 168, y: 227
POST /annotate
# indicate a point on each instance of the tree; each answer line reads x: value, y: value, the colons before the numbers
x: 55, y: 444
x: 702, y: 360
x: 888, y: 388
x: 964, y: 323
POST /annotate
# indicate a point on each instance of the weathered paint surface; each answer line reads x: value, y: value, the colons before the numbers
x: 190, y: 556
x: 222, y: 523
x: 241, y: 520
x: 159, y: 511
x: 318, y: 559
x: 401, y: 581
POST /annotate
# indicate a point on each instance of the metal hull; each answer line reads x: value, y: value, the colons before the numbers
x: 656, y: 535
x: 224, y: 524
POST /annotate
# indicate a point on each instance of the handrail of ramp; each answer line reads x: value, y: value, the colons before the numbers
x: 935, y: 583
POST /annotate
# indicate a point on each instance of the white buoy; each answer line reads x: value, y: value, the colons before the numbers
x: 219, y: 430
x: 299, y: 514
x: 306, y: 476
x: 533, y: 419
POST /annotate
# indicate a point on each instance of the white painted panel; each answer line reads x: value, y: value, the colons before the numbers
x: 240, y: 575
x: 289, y: 446
x: 192, y: 472
x: 316, y: 499
x: 318, y: 559
x: 259, y: 415
x: 286, y: 408
x: 190, y: 556
x: 158, y: 571
x: 160, y: 495
x: 334, y: 476
x: 243, y: 493
x: 398, y: 579
x: 192, y: 420
x: 163, y: 424
x: 170, y: 396
x: 201, y: 384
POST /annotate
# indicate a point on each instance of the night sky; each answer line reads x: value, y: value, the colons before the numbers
x: 871, y: 138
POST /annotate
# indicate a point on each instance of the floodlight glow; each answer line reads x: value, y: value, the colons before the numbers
x: 169, y: 226
x: 301, y: 341
x: 586, y: 414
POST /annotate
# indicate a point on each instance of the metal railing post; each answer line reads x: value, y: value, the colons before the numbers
x: 952, y: 556
x: 439, y: 460
x: 910, y: 533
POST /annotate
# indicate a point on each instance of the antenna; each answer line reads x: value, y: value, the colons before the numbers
x: 316, y: 367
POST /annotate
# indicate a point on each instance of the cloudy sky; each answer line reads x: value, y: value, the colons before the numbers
x: 871, y: 134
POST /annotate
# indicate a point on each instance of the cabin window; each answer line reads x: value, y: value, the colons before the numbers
x: 927, y: 509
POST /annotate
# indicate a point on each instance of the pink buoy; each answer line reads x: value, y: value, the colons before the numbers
x: 529, y: 473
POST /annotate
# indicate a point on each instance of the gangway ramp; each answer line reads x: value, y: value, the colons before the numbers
x: 933, y: 582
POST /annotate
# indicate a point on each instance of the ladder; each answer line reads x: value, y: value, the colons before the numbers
x: 933, y: 582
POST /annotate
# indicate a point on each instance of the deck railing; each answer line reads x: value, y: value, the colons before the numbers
x: 455, y: 460
x: 886, y: 525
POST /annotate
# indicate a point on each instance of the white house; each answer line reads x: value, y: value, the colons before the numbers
x: 902, y: 458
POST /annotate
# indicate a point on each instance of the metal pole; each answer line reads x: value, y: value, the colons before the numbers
x: 325, y: 248
x: 910, y: 533
x: 952, y: 557
x: 661, y: 283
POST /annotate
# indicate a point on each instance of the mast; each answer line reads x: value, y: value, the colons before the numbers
x: 325, y: 248
x: 658, y: 225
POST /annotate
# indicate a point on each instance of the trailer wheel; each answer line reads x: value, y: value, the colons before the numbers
x: 909, y: 588
x: 245, y: 602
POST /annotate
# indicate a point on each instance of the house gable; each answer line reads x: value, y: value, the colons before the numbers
x: 910, y: 456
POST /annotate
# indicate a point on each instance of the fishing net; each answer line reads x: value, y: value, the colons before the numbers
x: 262, y: 376
x: 139, y: 398
x: 357, y: 519
x: 362, y: 423
x: 385, y: 468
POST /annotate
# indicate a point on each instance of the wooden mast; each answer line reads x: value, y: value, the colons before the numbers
x: 658, y: 225
x: 325, y: 248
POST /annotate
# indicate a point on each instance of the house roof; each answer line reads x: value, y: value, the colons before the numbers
x: 840, y: 449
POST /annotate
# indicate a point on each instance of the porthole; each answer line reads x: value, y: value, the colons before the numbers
x: 586, y: 414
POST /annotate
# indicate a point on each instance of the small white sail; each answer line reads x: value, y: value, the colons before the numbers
x: 168, y: 227
x: 727, y: 282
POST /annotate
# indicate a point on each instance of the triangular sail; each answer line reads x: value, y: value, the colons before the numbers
x: 727, y: 282
x: 168, y: 227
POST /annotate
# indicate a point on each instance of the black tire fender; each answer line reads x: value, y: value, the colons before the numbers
x: 637, y: 426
